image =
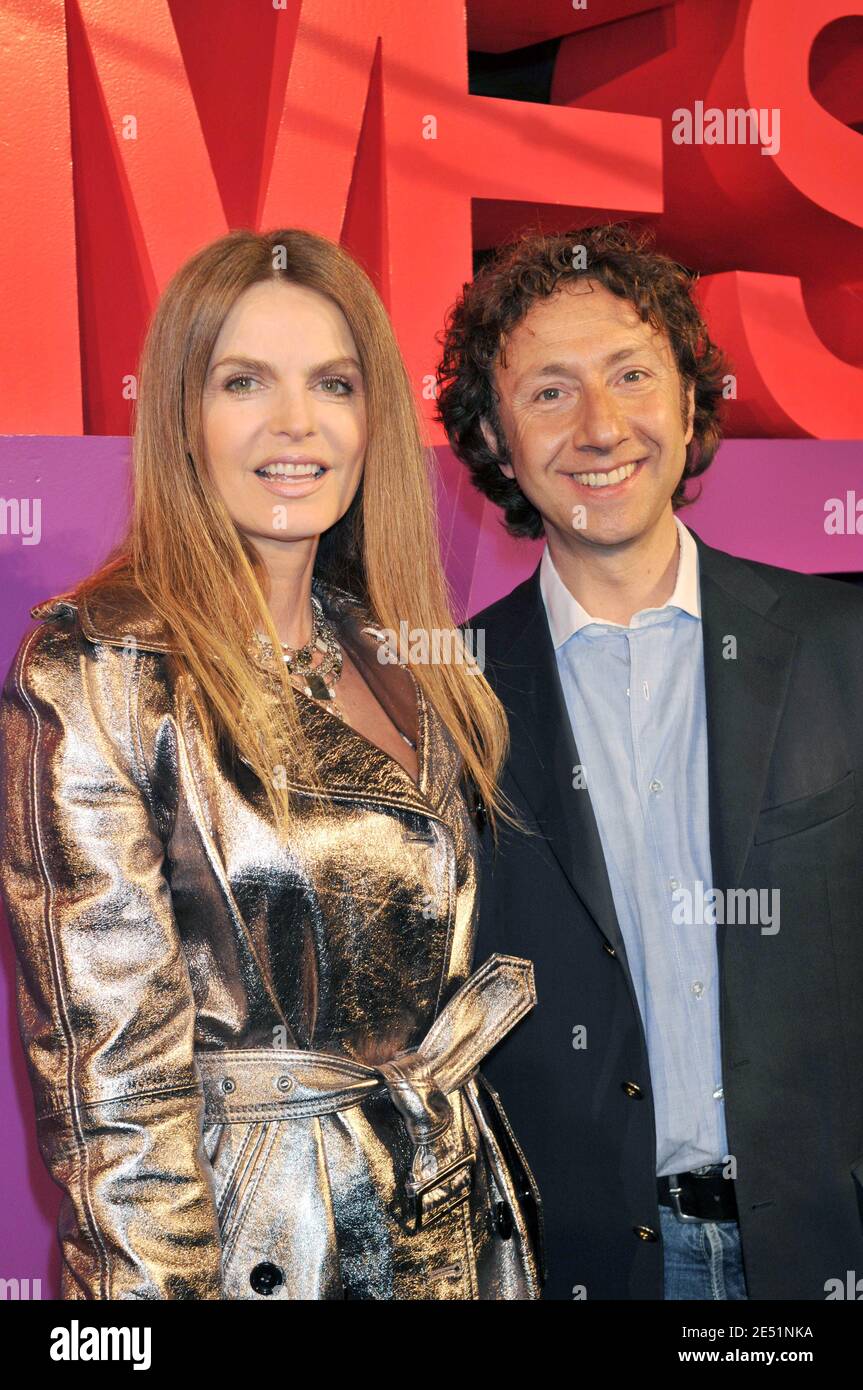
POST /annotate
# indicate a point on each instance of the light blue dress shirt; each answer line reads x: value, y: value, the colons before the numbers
x: 636, y: 703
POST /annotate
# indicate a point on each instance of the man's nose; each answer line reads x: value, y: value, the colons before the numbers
x: 601, y: 423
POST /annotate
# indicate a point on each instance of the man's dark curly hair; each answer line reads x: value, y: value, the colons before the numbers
x: 500, y: 296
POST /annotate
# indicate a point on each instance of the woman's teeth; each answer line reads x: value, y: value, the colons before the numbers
x: 290, y: 470
x: 617, y: 475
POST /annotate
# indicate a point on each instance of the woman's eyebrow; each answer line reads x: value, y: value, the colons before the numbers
x: 254, y: 364
x: 334, y: 364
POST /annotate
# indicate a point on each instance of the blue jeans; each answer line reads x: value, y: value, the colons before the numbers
x: 702, y: 1258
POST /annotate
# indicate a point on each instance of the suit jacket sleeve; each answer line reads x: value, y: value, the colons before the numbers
x: 105, y: 1004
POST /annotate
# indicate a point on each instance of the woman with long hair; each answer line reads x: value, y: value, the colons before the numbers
x: 239, y: 844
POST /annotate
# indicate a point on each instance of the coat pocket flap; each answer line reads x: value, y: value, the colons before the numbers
x: 806, y: 811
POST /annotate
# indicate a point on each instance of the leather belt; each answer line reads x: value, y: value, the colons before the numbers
x: 700, y: 1195
x: 249, y: 1084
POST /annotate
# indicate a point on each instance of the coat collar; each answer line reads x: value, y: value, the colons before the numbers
x: 121, y: 616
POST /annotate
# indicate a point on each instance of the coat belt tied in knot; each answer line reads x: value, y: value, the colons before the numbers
x: 269, y: 1083
x: 441, y: 1169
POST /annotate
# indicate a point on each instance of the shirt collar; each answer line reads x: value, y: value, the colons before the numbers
x: 566, y: 615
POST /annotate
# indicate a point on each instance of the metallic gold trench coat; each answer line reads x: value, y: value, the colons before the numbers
x: 255, y: 1065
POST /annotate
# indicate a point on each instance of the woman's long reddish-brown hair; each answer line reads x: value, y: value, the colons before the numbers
x: 205, y: 579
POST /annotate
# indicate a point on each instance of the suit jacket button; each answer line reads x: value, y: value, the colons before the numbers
x: 503, y: 1219
x: 633, y: 1090
x: 645, y: 1233
x: 266, y: 1278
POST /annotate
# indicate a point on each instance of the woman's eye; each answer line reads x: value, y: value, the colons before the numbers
x: 242, y: 391
x: 336, y: 385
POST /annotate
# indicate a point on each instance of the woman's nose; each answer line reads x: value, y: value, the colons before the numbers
x: 293, y: 413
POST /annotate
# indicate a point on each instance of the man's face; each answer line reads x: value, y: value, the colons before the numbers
x: 590, y: 403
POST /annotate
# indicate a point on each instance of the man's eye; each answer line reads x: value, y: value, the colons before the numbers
x: 634, y: 371
x: 543, y: 395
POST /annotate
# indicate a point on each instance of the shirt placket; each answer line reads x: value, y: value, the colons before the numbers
x: 672, y: 948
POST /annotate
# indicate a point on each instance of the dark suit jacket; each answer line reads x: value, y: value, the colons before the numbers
x: 785, y: 737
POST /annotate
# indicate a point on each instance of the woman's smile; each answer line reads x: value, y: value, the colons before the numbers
x: 296, y: 480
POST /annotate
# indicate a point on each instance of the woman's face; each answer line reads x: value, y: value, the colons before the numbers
x: 284, y: 387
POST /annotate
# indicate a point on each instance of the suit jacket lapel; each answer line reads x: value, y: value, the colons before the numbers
x: 543, y: 754
x: 747, y: 665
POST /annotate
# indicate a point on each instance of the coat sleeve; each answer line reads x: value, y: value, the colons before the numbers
x: 105, y: 1004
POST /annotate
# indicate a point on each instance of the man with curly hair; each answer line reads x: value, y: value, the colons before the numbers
x: 685, y: 757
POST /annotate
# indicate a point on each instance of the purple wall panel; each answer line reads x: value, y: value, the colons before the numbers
x: 764, y: 499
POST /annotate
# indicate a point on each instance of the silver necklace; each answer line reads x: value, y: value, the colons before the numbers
x: 318, y: 682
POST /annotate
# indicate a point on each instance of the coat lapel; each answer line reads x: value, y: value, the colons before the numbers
x: 544, y: 754
x: 747, y: 665
x: 351, y: 765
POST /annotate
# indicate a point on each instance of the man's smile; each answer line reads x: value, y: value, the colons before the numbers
x: 610, y: 482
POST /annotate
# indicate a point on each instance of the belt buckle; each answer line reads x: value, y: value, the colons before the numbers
x: 674, y: 1194
x: 455, y: 1182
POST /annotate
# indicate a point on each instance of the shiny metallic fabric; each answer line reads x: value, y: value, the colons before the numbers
x: 255, y: 1064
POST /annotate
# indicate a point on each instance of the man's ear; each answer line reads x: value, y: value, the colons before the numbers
x: 489, y: 437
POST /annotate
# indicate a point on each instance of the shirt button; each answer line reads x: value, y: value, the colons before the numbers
x: 717, y: 1094
x: 655, y: 785
x: 697, y: 988
x: 674, y: 884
